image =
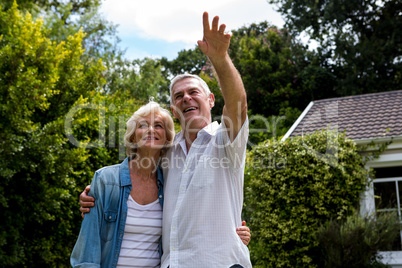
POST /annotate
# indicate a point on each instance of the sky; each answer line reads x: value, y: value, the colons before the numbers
x: 160, y: 28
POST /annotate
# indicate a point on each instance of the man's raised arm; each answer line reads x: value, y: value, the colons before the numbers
x: 215, y: 45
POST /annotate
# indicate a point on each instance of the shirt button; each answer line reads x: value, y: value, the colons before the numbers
x: 174, y: 228
x: 160, y: 196
x: 110, y: 217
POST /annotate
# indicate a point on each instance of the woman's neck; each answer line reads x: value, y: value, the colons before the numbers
x: 144, y: 165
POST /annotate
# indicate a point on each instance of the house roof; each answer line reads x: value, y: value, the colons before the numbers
x: 368, y: 116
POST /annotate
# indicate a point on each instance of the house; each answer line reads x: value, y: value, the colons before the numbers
x: 366, y: 119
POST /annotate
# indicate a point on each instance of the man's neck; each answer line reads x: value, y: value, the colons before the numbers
x: 190, y: 138
x: 191, y: 133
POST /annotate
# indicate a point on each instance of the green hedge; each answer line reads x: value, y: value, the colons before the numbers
x: 295, y: 186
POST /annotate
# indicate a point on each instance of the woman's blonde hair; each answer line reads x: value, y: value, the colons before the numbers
x: 154, y: 109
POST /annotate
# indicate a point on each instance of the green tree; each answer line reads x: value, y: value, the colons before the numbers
x: 141, y: 78
x: 191, y: 61
x: 75, y: 7
x: 295, y: 186
x: 40, y: 80
x: 360, y: 42
x: 263, y: 56
x: 274, y: 68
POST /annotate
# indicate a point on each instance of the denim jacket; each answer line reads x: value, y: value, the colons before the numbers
x: 101, y: 234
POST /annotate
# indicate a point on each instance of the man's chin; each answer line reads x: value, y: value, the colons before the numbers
x: 196, y: 123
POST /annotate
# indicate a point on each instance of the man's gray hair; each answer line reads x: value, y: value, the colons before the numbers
x: 180, y: 77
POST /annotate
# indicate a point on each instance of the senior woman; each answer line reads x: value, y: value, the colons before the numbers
x: 124, y: 228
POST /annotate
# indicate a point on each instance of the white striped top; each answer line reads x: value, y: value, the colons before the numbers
x: 142, y: 232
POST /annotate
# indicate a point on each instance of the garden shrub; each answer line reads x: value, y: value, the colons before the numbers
x: 295, y: 186
x: 357, y: 241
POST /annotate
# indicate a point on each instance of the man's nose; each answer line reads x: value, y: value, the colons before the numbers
x: 186, y: 97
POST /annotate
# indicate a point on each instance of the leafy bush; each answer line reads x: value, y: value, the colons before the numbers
x: 293, y: 187
x: 356, y: 241
x: 41, y: 171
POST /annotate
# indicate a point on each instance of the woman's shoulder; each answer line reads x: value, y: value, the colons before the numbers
x: 108, y: 174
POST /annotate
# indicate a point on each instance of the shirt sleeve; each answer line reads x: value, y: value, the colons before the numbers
x: 87, y: 250
x: 236, y: 150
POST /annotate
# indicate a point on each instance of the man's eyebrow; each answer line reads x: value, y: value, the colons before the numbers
x: 177, y: 93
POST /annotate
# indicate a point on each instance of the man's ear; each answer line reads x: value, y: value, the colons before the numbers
x: 211, y: 100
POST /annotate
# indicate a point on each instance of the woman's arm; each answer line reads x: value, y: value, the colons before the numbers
x: 87, y: 249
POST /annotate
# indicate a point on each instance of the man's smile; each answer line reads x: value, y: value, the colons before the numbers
x: 189, y: 109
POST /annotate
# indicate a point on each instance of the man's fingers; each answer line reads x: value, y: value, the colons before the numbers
x: 222, y: 28
x: 88, y: 204
x: 86, y: 198
x: 84, y: 210
x: 205, y: 21
x: 215, y: 23
x: 87, y: 188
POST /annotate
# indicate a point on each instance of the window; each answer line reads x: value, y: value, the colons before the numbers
x: 388, y: 193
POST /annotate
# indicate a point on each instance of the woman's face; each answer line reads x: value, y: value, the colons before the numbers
x: 150, y: 132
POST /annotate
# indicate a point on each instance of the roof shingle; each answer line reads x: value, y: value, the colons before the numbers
x: 361, y: 117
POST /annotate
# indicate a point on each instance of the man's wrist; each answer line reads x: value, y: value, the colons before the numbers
x: 221, y: 63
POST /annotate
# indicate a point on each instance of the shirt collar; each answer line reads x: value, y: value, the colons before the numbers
x: 207, y: 130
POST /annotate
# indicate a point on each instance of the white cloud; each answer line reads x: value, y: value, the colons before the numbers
x: 180, y: 20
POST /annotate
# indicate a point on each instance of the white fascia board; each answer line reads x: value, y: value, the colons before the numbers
x: 396, y: 142
x: 301, y: 117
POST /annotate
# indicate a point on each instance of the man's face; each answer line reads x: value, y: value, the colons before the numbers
x: 191, y: 105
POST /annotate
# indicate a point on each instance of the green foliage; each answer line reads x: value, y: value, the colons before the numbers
x: 40, y: 80
x: 263, y: 57
x: 293, y: 187
x: 75, y: 7
x: 190, y: 61
x: 140, y: 78
x: 356, y: 240
x: 280, y: 77
x: 360, y: 42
